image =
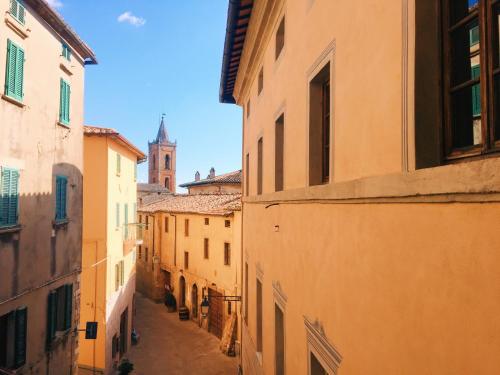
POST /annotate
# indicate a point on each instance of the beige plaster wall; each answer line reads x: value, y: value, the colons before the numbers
x: 214, y: 188
x: 36, y: 260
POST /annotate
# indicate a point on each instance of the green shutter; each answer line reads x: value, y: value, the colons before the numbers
x: 64, y: 104
x: 9, y: 197
x: 476, y: 92
x: 118, y: 163
x: 14, y: 76
x: 66, y: 52
x: 61, y: 197
x: 20, y: 337
x: 117, y: 276
x: 17, y: 10
x: 68, y: 310
x: 51, y: 317
x: 118, y: 215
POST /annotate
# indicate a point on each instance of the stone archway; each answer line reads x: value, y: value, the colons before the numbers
x: 194, y: 301
x: 182, y: 292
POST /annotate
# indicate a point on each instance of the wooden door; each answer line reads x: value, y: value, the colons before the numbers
x: 215, y: 314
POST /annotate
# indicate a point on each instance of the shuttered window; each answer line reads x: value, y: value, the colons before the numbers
x: 117, y: 215
x: 64, y: 106
x: 227, y: 254
x: 476, y: 92
x: 122, y: 272
x: 61, y: 197
x: 59, y: 311
x: 14, y: 77
x: 13, y: 334
x: 18, y: 11
x: 66, y: 52
x: 9, y: 197
x: 126, y: 220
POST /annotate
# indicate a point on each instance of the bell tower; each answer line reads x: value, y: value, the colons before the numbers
x: 162, y: 159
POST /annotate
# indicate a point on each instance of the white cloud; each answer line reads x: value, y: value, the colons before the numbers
x: 55, y: 3
x: 130, y: 18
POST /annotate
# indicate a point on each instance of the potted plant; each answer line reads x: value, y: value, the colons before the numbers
x: 126, y: 367
x: 170, y: 302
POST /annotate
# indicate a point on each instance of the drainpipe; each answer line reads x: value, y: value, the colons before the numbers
x: 243, y: 287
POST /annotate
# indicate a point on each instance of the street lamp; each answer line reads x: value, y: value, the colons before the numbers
x: 204, y: 306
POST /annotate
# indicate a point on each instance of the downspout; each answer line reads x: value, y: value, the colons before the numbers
x: 243, y: 287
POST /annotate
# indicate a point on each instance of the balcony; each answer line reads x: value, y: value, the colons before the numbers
x: 132, y: 236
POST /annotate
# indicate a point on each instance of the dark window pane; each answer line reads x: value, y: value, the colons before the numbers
x: 466, y: 128
x: 496, y: 36
x: 316, y: 368
x: 465, y: 52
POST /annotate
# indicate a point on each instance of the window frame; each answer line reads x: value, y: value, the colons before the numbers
x: 12, y: 191
x: 12, y: 78
x: 19, y: 14
x: 484, y: 14
x: 61, y: 211
x: 65, y: 102
x: 66, y: 52
x: 227, y: 254
x: 206, y: 248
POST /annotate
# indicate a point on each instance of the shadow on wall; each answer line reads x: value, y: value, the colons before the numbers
x: 41, y: 233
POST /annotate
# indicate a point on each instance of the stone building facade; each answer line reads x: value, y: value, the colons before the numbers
x: 371, y: 187
x: 162, y: 160
x: 41, y: 160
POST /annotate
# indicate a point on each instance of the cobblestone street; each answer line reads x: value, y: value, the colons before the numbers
x: 170, y: 346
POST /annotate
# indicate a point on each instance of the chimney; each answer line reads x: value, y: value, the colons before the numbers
x: 197, y: 176
x: 212, y: 173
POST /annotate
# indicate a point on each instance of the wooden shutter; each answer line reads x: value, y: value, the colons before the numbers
x: 68, y: 311
x: 15, y: 71
x: 19, y: 73
x: 51, y: 317
x: 20, y: 337
x: 61, y: 197
x: 117, y: 276
x: 118, y: 215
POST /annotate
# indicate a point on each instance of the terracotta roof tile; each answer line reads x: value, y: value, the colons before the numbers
x: 228, y: 178
x: 209, y: 204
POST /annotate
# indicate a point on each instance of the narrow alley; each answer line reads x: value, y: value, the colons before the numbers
x: 170, y: 346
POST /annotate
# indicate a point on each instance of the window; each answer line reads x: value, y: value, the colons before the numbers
x: 60, y: 308
x: 261, y: 81
x: 246, y: 294
x: 259, y: 316
x: 205, y: 248
x: 280, y: 38
x: 125, y: 220
x: 64, y: 104
x: 279, y: 139
x: 247, y: 175
x: 186, y: 227
x: 14, y: 78
x: 147, y: 222
x: 248, y: 108
x: 227, y: 223
x: 154, y: 161
x: 207, y: 221
x: 140, y: 218
x: 66, y: 52
x: 18, y: 11
x: 147, y: 255
x: 471, y: 83
x: 279, y: 340
x: 117, y: 214
x: 167, y: 183
x: 319, y: 128
x: 227, y: 254
x: 167, y: 162
x: 61, y: 197
x: 166, y: 224
x: 118, y: 164
x: 260, y: 160
x: 13, y: 329
x: 115, y: 346
x: 316, y: 367
x: 229, y: 308
x: 9, y: 197
x: 140, y: 252
x: 186, y: 260
x: 119, y: 274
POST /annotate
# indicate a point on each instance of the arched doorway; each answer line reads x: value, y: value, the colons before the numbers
x: 182, y: 292
x: 167, y: 183
x: 194, y: 301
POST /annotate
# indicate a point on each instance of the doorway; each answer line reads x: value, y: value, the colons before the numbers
x: 182, y: 292
x: 123, y: 332
x: 194, y: 301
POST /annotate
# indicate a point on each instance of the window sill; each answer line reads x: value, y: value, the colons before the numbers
x: 13, y: 101
x: 16, y: 26
x: 60, y: 223
x: 10, y: 229
x: 63, y: 125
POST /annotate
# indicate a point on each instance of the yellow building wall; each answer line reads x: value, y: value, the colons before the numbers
x: 103, y: 189
x: 228, y: 189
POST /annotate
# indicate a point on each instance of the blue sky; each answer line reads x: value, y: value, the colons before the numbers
x: 164, y: 56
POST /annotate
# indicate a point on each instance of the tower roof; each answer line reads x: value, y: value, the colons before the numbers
x: 162, y: 136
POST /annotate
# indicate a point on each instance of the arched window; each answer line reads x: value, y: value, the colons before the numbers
x: 154, y: 161
x: 167, y: 183
x: 167, y: 162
